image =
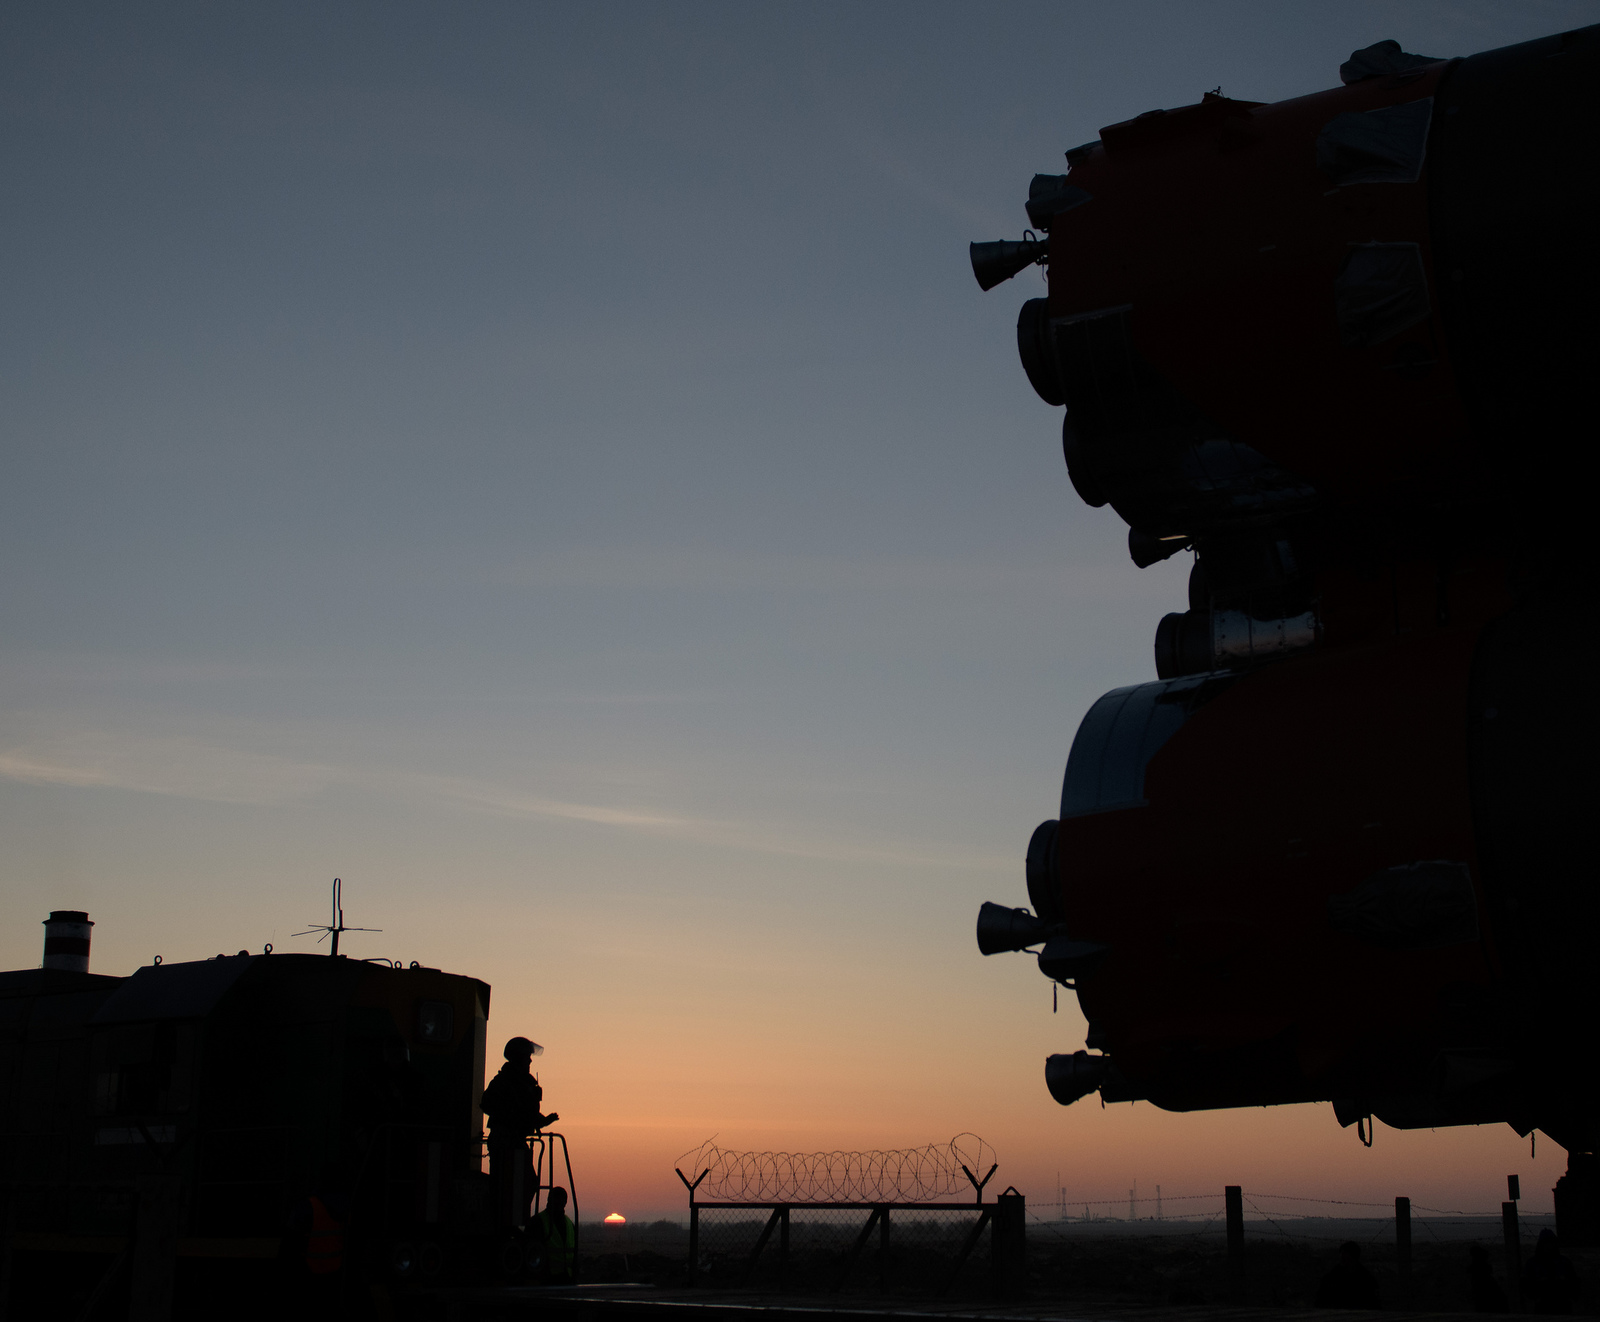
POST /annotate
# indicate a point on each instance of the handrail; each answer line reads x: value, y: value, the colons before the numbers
x: 540, y: 1137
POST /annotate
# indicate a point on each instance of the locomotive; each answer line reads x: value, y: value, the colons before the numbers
x: 267, y: 1130
x: 1342, y: 348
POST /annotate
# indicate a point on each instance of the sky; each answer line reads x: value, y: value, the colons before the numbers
x: 550, y: 466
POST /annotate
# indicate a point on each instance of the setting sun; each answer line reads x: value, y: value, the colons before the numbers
x: 616, y: 1219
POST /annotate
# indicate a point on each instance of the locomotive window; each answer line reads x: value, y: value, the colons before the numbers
x: 436, y: 1021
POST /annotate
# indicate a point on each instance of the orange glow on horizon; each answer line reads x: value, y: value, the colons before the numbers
x: 616, y: 1219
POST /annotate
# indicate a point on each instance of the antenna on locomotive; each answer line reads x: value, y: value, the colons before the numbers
x: 337, y: 925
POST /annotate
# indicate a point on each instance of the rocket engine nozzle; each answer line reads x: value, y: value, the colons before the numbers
x: 1001, y: 929
x: 1074, y: 1076
x: 995, y: 263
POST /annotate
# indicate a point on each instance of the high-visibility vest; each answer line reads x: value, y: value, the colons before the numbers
x: 325, y: 1244
x: 559, y: 1239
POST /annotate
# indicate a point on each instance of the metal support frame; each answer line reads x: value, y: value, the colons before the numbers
x: 879, y: 1218
x: 966, y: 1250
x: 878, y: 1214
x: 779, y: 1214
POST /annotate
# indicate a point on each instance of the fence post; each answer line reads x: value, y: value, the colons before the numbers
x: 1402, y: 1245
x: 694, y: 1240
x: 883, y: 1247
x: 1008, y: 1242
x: 1233, y: 1199
x: 1513, y: 1238
x: 694, y: 1219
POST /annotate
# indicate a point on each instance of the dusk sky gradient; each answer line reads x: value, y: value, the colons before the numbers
x: 551, y: 467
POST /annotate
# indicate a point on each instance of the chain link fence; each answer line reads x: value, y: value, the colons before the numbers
x: 1098, y: 1252
x: 918, y: 1251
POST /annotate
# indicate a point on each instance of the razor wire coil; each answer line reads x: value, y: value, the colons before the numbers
x: 892, y: 1175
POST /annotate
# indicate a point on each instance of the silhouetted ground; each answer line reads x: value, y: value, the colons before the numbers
x: 1161, y: 1272
x: 1076, y: 1265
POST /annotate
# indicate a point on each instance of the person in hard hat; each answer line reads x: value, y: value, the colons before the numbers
x: 513, y: 1102
x: 513, y: 1097
x: 554, y: 1240
x: 1549, y: 1281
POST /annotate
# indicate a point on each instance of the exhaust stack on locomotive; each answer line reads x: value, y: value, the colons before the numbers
x: 66, y: 941
x: 1341, y: 347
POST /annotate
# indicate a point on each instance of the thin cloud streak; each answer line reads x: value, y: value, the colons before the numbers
x: 196, y: 769
x: 175, y: 767
x: 750, y: 837
x: 707, y: 571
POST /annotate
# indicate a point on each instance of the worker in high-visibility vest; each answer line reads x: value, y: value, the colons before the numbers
x: 325, y: 1240
x: 555, y: 1240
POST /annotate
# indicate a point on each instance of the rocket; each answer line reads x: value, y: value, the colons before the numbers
x: 1342, y: 348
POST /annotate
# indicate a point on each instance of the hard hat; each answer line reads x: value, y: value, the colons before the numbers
x: 519, y: 1048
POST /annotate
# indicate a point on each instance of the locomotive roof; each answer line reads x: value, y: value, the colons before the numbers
x: 187, y: 990
x: 37, y: 982
x: 174, y: 991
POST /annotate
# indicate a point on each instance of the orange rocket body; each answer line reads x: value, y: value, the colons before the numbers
x: 1342, y: 348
